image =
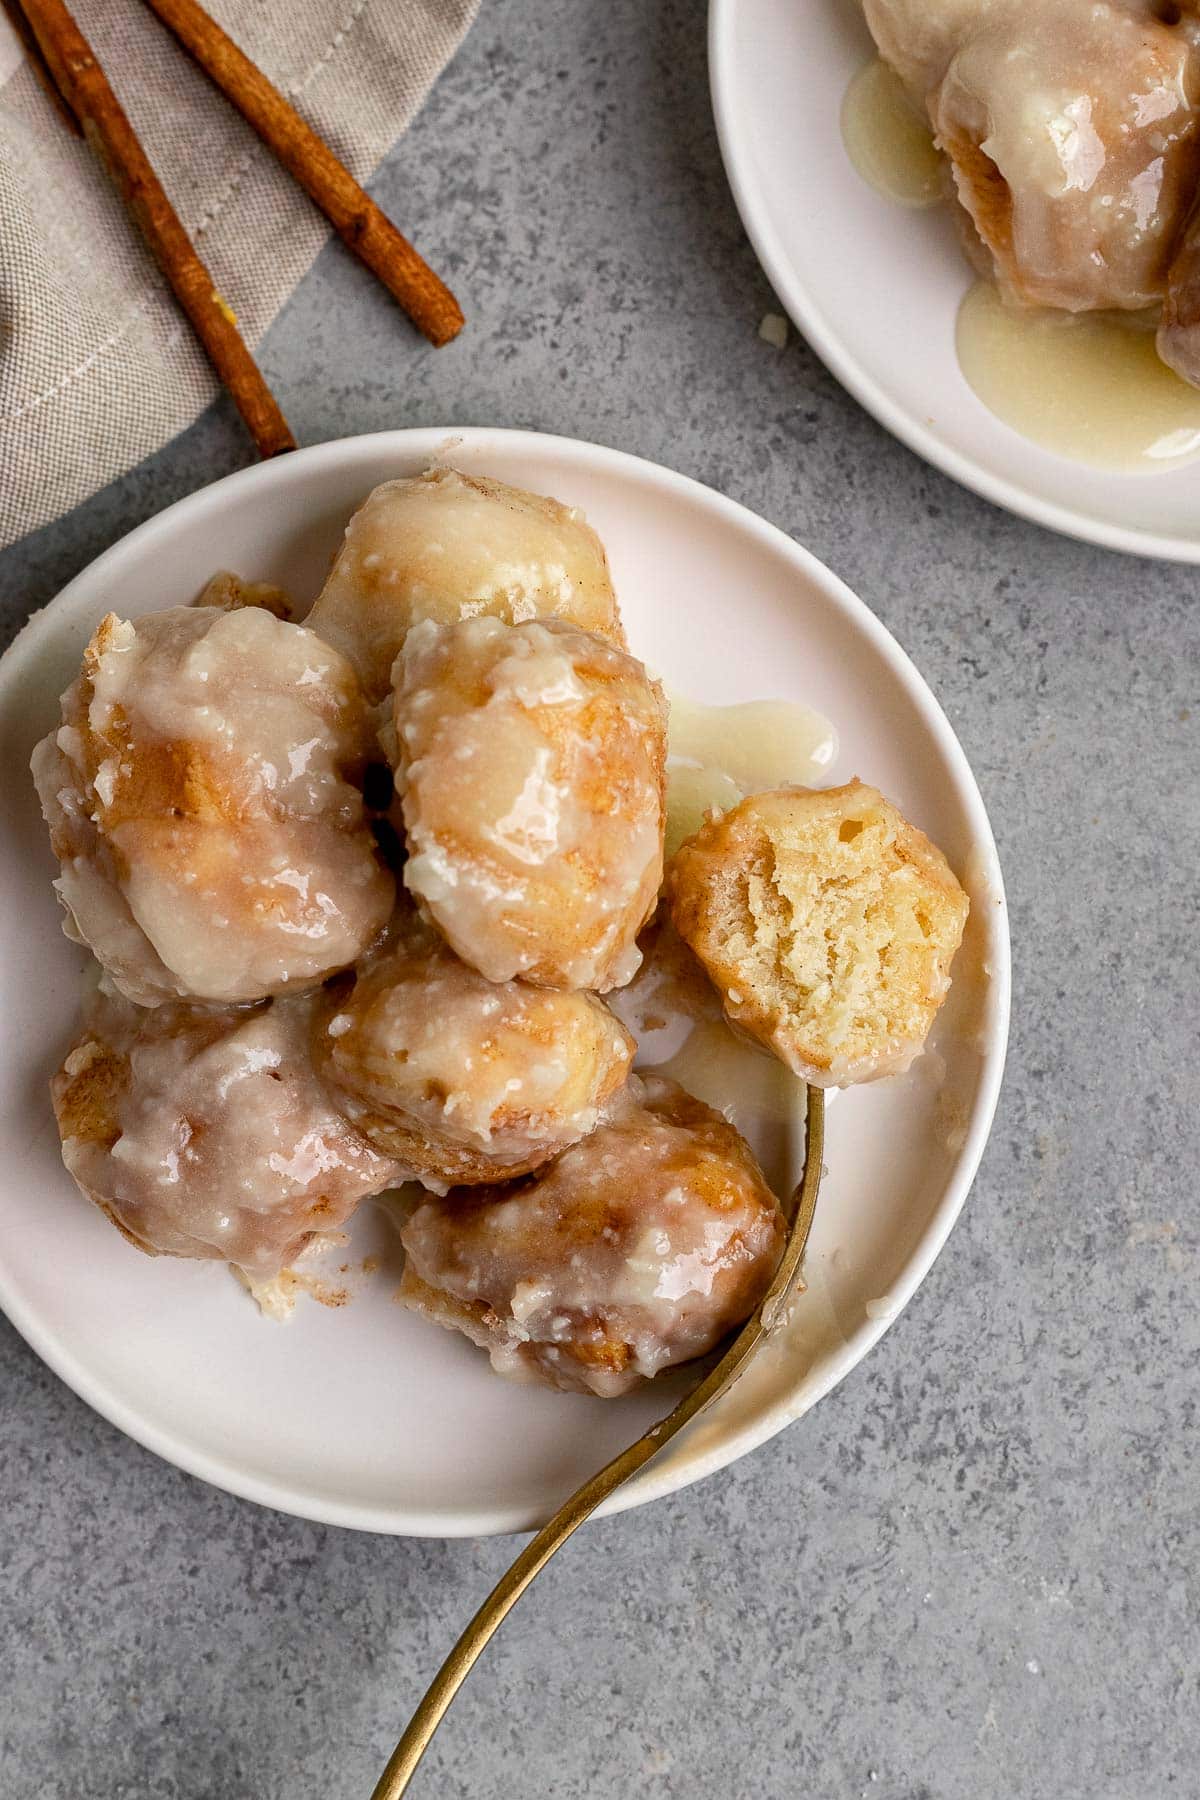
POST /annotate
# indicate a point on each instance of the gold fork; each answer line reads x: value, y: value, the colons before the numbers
x: 537, y: 1553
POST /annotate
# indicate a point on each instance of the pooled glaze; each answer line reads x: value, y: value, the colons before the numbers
x: 668, y: 997
x: 752, y: 1088
x: 204, y: 1132
x: 1087, y: 385
x: 757, y: 743
x: 530, y: 765
x: 447, y: 546
x: 675, y: 1013
x: 888, y: 138
x: 200, y: 795
x: 637, y: 1249
x: 463, y: 1079
x: 719, y: 754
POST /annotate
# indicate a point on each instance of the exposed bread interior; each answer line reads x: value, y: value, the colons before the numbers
x: 828, y: 924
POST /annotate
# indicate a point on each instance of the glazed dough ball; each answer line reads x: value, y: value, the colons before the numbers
x: 463, y: 1080
x: 638, y: 1249
x: 827, y: 922
x: 205, y: 1131
x: 1071, y: 132
x: 531, y: 765
x: 446, y: 546
x: 201, y: 800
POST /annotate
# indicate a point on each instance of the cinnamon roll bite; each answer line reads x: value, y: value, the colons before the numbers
x: 1073, y: 135
x: 639, y: 1248
x: 827, y: 924
x: 202, y: 801
x: 530, y: 762
x: 448, y: 546
x: 464, y: 1080
x: 205, y: 1131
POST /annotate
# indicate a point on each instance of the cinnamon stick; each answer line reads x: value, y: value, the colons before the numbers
x: 353, y: 214
x: 83, y: 85
x: 37, y: 63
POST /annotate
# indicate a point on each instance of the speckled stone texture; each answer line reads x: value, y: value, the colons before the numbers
x: 970, y: 1574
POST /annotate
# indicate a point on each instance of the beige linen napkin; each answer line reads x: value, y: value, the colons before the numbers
x: 98, y: 367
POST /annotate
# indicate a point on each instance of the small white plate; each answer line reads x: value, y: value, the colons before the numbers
x: 368, y: 1416
x: 875, y: 287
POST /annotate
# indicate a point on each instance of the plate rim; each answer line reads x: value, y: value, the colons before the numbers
x: 408, y: 1521
x: 793, y: 294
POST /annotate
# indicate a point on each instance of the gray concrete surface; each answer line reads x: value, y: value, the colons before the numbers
x: 970, y: 1574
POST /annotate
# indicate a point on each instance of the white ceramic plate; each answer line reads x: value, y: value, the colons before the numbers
x: 875, y: 287
x: 368, y: 1416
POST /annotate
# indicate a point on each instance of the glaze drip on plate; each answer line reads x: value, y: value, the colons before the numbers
x: 1089, y: 385
x: 888, y: 139
x: 716, y: 755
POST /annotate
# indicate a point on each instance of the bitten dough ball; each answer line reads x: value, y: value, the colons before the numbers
x: 201, y: 799
x: 460, y: 1079
x: 531, y: 765
x: 446, y: 546
x: 639, y: 1248
x: 828, y: 924
x: 205, y: 1132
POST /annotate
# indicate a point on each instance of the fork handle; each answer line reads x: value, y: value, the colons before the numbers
x: 570, y: 1516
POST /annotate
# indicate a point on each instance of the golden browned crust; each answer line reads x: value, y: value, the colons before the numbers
x: 158, y: 821
x: 1078, y: 244
x: 87, y: 1090
x: 593, y: 1349
x: 441, y: 1162
x: 230, y: 593
x: 474, y: 1319
x: 86, y: 1093
x: 599, y: 612
x: 828, y: 924
x: 168, y: 781
x: 145, y: 1117
x: 987, y: 199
